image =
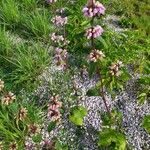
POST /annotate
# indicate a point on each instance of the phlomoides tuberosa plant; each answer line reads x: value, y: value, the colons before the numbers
x: 109, y: 74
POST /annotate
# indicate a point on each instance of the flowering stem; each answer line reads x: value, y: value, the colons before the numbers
x: 102, y: 91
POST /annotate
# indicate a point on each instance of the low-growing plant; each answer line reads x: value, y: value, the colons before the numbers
x: 27, y: 63
x: 15, y: 118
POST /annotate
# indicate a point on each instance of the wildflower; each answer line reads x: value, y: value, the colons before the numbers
x: 57, y: 38
x: 33, y: 129
x: 114, y: 68
x: 61, y: 57
x: 22, y: 113
x: 51, y: 1
x: 59, y: 21
x: 62, y: 53
x: 96, y: 55
x: 8, y: 99
x: 13, y: 146
x: 93, y: 9
x: 94, y: 32
x: 53, y: 109
x: 1, y: 84
x: 54, y: 101
x: 54, y: 115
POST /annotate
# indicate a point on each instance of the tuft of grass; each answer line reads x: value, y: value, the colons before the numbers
x: 6, y: 44
x: 9, y: 12
x: 28, y: 4
x: 29, y: 62
x: 37, y: 24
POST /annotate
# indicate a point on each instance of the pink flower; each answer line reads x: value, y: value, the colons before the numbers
x: 53, y: 109
x: 94, y: 32
x: 61, y: 56
x: 96, y: 55
x: 59, y: 21
x: 57, y: 38
x: 114, y: 68
x: 93, y: 9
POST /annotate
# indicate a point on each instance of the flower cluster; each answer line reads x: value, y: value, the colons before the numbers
x: 1, y: 84
x: 57, y: 38
x: 8, y: 98
x: 60, y: 41
x: 22, y: 113
x: 33, y: 129
x: 59, y: 21
x: 93, y: 8
x: 61, y: 56
x: 96, y: 55
x: 53, y: 109
x: 94, y: 32
x: 114, y: 68
x: 13, y: 146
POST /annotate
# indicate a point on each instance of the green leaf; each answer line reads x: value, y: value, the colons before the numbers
x: 102, y: 40
x: 92, y: 68
x: 51, y: 126
x: 37, y: 138
x: 146, y: 123
x: 77, y: 115
x: 112, y: 139
x: 142, y: 98
x: 59, y: 146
